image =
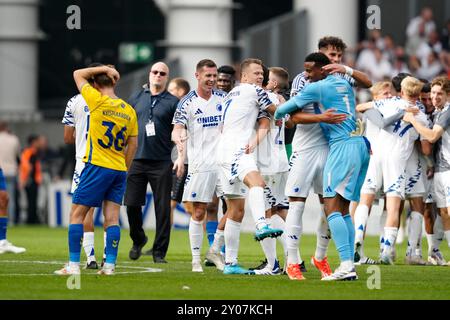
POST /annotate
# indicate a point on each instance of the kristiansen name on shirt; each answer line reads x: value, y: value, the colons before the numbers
x: 116, y: 114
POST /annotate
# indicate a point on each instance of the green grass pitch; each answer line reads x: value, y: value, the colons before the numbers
x: 30, y: 275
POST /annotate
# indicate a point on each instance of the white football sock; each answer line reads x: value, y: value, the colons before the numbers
x: 232, y: 233
x: 294, y: 230
x: 270, y: 250
x: 323, y: 237
x: 195, y: 238
x: 447, y: 236
x: 383, y: 218
x: 415, y: 228
x: 419, y: 243
x: 434, y: 241
x: 361, y: 216
x: 390, y: 235
x: 219, y: 241
x: 257, y: 206
x: 88, y: 246
x: 278, y: 223
x: 438, y: 227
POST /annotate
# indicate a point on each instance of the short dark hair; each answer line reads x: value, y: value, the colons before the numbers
x: 205, y: 63
x: 32, y: 138
x: 426, y: 88
x: 334, y: 42
x: 101, y: 79
x: 397, y: 80
x: 265, y: 76
x: 319, y: 59
x: 182, y: 83
x: 95, y: 64
x: 227, y: 70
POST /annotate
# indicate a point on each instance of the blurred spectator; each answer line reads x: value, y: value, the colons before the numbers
x: 419, y: 29
x: 381, y: 68
x: 445, y: 37
x: 389, y: 49
x: 30, y: 175
x: 431, y: 68
x: 48, y: 157
x: 67, y: 166
x: 9, y: 157
x: 426, y: 47
x: 366, y: 57
x: 400, y: 62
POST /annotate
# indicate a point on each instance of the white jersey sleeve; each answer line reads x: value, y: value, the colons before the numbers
x: 69, y: 118
x: 271, y: 153
x: 77, y: 115
x: 263, y: 98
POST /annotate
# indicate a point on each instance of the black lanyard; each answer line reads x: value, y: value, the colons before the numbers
x: 154, y: 100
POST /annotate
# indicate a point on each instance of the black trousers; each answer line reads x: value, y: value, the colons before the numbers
x: 31, y: 191
x: 159, y: 175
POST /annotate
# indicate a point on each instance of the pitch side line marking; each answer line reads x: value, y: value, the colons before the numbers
x: 142, y: 269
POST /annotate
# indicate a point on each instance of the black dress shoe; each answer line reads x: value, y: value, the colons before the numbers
x: 159, y: 260
x: 135, y: 251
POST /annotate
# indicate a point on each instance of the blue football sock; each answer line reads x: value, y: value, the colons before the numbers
x: 211, y: 227
x: 339, y: 233
x: 3, y: 227
x: 351, y: 233
x: 112, y: 243
x: 75, y: 240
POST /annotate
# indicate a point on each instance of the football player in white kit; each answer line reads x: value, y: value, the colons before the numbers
x: 310, y: 150
x: 76, y: 127
x: 199, y: 117
x: 398, y: 137
x: 237, y: 164
x: 274, y: 167
x: 433, y: 223
x: 440, y: 93
x: 380, y: 90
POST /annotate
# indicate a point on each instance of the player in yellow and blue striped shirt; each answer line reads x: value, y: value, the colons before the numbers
x: 111, y: 144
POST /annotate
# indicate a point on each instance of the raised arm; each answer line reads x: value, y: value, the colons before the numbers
x: 432, y: 135
x: 82, y: 76
x: 377, y: 118
x: 362, y: 79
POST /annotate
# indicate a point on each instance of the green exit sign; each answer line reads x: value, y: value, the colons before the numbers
x: 135, y: 52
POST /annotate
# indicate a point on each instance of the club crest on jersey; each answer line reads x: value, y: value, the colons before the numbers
x: 86, y: 109
x: 219, y: 107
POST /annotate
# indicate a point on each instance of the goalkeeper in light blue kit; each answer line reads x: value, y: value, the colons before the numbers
x: 346, y: 164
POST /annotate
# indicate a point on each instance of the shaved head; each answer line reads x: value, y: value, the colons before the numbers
x: 158, y: 76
